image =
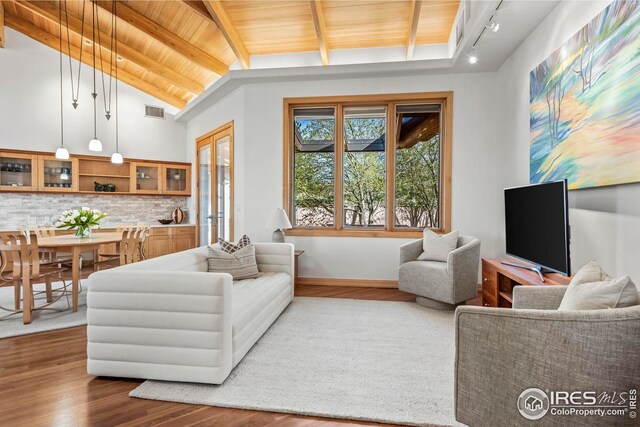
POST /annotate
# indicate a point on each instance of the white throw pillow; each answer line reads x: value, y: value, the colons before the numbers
x: 615, y: 293
x: 591, y: 272
x: 437, y: 247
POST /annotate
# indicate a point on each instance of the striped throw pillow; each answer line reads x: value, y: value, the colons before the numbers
x: 240, y: 265
x: 230, y: 248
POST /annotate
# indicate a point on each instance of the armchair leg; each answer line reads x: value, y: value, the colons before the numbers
x: 437, y: 305
x: 16, y: 295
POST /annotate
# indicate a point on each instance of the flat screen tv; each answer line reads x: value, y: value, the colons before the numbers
x: 537, y: 226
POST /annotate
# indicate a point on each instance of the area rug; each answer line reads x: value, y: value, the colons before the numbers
x: 42, y: 320
x: 380, y: 361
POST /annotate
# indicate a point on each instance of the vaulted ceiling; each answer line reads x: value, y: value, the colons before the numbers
x: 173, y: 49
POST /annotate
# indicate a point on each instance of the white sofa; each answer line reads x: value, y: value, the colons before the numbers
x: 167, y: 318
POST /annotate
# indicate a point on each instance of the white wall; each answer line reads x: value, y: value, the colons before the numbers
x: 257, y: 111
x: 605, y: 221
x: 30, y: 109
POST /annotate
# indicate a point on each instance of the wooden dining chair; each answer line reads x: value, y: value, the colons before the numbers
x: 28, y: 270
x: 120, y: 228
x: 129, y: 249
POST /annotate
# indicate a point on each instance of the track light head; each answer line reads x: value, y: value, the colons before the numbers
x: 473, y: 56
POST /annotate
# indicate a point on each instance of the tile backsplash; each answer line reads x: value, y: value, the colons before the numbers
x: 30, y: 210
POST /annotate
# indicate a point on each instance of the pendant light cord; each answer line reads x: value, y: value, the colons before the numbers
x: 95, y: 94
x: 61, y: 86
x: 74, y: 95
x: 114, y: 25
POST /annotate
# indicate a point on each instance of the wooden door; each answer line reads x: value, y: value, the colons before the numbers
x: 214, y: 183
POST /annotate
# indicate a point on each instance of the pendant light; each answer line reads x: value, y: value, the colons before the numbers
x: 94, y: 144
x: 61, y: 153
x: 116, y: 157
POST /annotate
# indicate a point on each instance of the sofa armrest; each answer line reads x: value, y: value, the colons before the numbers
x: 166, y: 325
x: 410, y: 251
x: 277, y: 257
x: 538, y: 297
x: 502, y: 352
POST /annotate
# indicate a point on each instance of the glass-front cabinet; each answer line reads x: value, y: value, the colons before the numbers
x: 57, y: 175
x: 18, y: 172
x: 176, y: 179
x: 147, y: 177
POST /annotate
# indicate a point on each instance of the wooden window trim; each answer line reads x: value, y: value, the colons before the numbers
x: 445, y: 99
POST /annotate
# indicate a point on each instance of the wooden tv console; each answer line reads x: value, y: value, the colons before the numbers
x: 498, y: 281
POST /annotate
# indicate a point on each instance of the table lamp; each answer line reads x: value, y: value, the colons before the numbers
x: 280, y: 222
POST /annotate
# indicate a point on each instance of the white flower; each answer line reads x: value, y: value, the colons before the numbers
x: 83, y: 218
x: 85, y: 209
x: 96, y: 212
x: 75, y: 214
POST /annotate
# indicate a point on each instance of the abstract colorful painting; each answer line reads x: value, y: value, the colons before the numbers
x: 585, y: 104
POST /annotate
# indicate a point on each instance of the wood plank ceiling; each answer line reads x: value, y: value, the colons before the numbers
x: 173, y: 49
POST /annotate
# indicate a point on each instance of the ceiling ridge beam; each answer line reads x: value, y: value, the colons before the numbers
x: 166, y: 37
x: 221, y: 19
x: 414, y: 19
x: 321, y: 30
x: 124, y: 50
x: 53, y: 42
x: 2, y: 39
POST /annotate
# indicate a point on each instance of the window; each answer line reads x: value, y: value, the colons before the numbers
x: 417, y: 166
x: 313, y: 165
x: 364, y: 194
x: 368, y: 165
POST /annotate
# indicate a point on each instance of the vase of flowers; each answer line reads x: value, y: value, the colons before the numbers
x: 83, y: 221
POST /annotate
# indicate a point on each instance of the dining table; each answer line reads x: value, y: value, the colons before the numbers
x: 75, y: 246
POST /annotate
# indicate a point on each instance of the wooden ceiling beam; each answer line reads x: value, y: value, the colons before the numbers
x: 1, y: 26
x: 221, y: 19
x: 321, y: 30
x: 53, y: 42
x: 414, y: 18
x: 127, y: 52
x: 167, y: 38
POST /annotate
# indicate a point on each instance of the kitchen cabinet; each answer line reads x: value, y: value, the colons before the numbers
x: 167, y: 240
x: 18, y: 171
x: 57, y: 175
x: 176, y: 180
x: 146, y: 178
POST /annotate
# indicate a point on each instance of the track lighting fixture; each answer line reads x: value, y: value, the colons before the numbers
x: 492, y: 25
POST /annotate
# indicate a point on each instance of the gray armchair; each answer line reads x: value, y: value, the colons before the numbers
x: 501, y: 352
x: 441, y: 285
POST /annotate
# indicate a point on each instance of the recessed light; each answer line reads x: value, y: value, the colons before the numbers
x: 119, y: 59
x: 88, y: 42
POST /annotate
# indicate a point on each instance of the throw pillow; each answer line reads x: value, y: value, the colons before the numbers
x: 240, y: 265
x: 436, y: 247
x: 615, y: 293
x: 591, y: 272
x: 230, y: 248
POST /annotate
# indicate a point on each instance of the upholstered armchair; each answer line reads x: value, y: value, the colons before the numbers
x: 441, y: 285
x: 500, y: 352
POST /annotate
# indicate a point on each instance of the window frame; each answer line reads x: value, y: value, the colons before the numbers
x: 444, y: 99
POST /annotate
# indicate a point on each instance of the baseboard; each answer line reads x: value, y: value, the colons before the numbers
x: 360, y: 283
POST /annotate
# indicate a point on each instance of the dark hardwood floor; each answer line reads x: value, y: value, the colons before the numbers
x: 43, y: 382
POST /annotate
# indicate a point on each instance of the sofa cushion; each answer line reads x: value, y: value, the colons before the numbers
x: 589, y: 273
x: 230, y: 248
x: 436, y: 247
x: 241, y: 264
x: 615, y: 293
x: 251, y: 296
